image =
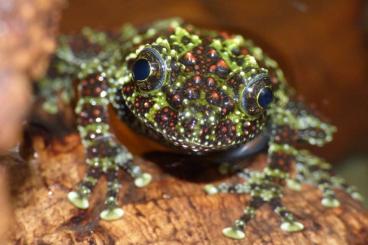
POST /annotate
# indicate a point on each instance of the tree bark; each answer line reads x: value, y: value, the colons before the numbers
x: 171, y: 210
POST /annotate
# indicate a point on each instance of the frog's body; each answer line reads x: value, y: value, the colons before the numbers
x: 198, y: 91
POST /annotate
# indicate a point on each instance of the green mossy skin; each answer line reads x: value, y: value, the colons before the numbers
x: 201, y: 96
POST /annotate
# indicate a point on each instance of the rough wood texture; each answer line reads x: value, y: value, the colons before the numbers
x: 172, y: 210
x: 27, y: 31
x: 4, y: 200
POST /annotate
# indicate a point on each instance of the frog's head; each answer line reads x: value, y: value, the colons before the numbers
x: 201, y: 93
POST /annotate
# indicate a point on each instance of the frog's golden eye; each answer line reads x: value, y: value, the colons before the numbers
x: 257, y: 95
x: 149, y: 69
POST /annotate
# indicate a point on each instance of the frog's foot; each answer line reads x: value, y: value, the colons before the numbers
x: 263, y: 190
x: 109, y: 167
x: 313, y: 170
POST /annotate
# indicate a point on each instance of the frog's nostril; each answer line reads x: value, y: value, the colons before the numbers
x: 265, y: 97
x: 141, y: 69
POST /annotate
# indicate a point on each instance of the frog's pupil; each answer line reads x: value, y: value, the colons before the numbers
x: 265, y: 97
x: 141, y: 69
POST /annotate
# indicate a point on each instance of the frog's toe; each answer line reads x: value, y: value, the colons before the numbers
x: 294, y: 184
x: 357, y: 196
x: 351, y: 190
x: 210, y: 189
x: 142, y: 180
x: 292, y: 226
x: 330, y: 202
x: 233, y: 233
x: 111, y: 214
x: 78, y: 200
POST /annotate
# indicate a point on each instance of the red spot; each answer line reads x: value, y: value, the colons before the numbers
x: 197, y: 79
x: 170, y: 29
x: 190, y: 58
x: 211, y: 81
x: 244, y: 51
x: 215, y: 95
x: 212, y: 53
x: 212, y: 68
x: 128, y: 89
x: 176, y: 97
x: 273, y: 79
x: 225, y: 35
x: 221, y: 63
x: 96, y: 112
x: 98, y: 90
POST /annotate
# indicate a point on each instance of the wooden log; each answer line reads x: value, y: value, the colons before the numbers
x: 171, y: 210
x: 5, y: 210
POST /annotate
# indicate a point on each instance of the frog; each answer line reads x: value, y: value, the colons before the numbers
x: 200, y: 92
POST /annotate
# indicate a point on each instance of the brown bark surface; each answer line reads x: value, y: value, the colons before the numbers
x: 5, y: 209
x: 171, y: 210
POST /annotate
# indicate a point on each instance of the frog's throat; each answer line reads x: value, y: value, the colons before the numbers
x: 240, y: 152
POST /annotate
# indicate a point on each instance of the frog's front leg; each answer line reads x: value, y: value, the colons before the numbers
x: 105, y: 156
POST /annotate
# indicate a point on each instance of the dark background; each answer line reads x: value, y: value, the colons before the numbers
x: 322, y: 46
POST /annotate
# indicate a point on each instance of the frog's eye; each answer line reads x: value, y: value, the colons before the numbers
x: 257, y: 95
x: 149, y: 69
x: 141, y: 69
x: 265, y: 97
